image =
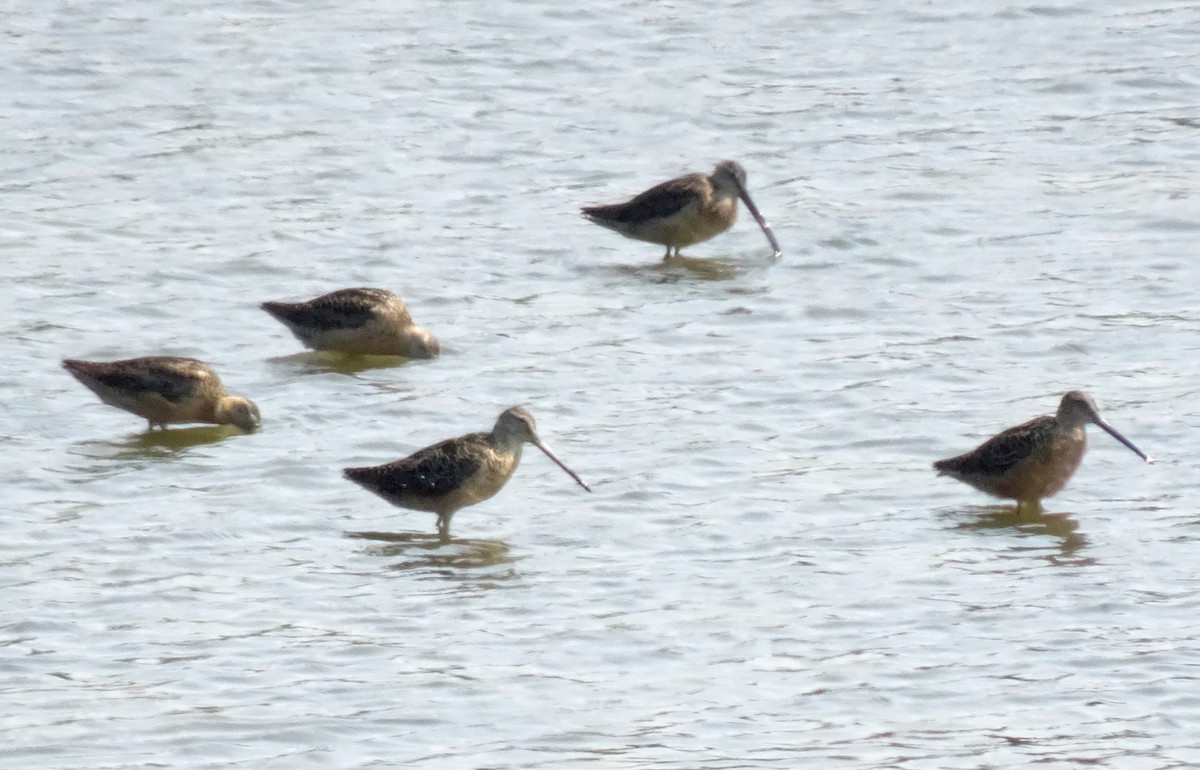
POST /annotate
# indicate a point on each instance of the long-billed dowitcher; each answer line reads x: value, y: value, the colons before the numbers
x: 459, y: 471
x: 358, y: 321
x: 683, y: 211
x: 165, y: 389
x: 1035, y: 459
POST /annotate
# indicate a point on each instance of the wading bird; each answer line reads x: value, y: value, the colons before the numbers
x: 165, y: 389
x: 359, y: 321
x: 683, y: 211
x: 459, y: 471
x: 1035, y: 459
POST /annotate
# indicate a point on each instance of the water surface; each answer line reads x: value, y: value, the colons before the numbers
x: 981, y: 207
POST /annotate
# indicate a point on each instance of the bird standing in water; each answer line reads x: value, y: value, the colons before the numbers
x: 1035, y: 459
x: 457, y: 472
x: 360, y: 321
x: 683, y: 211
x: 165, y: 389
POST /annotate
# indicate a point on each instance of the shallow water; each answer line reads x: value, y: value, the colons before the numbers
x: 980, y: 209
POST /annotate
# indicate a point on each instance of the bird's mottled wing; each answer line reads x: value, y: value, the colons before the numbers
x: 435, y: 470
x: 173, y: 378
x: 659, y: 202
x: 1004, y: 450
x: 342, y: 309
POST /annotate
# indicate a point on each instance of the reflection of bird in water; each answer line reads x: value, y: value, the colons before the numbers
x: 457, y: 472
x: 165, y: 389
x: 682, y: 211
x: 370, y: 322
x: 1035, y: 459
x: 420, y: 551
x: 1033, y: 523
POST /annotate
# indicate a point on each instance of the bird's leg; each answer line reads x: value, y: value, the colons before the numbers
x: 1031, y: 507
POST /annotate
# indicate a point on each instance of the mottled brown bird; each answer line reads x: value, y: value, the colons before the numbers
x: 359, y: 321
x: 683, y: 211
x: 1035, y: 459
x: 457, y: 472
x: 166, y: 389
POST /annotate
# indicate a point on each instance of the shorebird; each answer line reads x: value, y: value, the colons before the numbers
x: 1035, y: 459
x: 459, y: 471
x: 683, y: 211
x: 357, y: 321
x: 166, y: 389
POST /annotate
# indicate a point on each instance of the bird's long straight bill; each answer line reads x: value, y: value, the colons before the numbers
x: 766, y: 228
x: 546, y: 450
x: 1110, y: 430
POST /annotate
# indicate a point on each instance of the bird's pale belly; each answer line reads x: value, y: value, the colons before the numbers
x: 691, y: 225
x: 1040, y: 475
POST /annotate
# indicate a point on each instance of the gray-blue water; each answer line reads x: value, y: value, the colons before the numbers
x: 981, y: 207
